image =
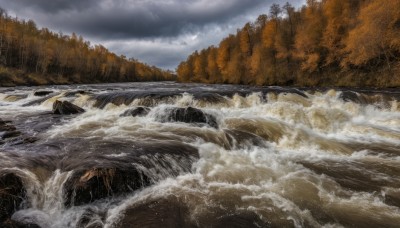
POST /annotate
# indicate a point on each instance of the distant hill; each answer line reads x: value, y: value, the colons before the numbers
x: 32, y: 56
x: 324, y: 43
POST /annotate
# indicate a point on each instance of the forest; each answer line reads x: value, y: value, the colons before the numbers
x: 324, y: 43
x: 32, y: 56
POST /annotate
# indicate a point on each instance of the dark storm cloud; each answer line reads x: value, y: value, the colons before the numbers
x: 50, y: 6
x: 132, y: 18
x: 158, y: 32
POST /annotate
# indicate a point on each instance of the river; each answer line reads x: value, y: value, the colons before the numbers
x: 196, y: 155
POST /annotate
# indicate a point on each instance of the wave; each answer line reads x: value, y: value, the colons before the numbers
x: 200, y: 156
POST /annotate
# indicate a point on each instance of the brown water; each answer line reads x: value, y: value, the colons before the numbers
x: 278, y: 157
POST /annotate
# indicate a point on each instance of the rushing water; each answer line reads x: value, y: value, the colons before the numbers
x: 276, y: 157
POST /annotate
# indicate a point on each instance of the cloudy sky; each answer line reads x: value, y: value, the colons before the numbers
x: 158, y: 32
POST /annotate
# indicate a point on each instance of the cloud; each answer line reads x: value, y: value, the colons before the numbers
x: 126, y: 19
x: 45, y: 6
x: 159, y: 32
x: 168, y: 52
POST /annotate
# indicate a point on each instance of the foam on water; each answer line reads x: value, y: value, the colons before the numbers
x: 323, y: 162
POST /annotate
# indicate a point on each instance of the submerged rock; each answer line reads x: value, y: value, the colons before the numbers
x: 12, y: 193
x: 98, y: 183
x: 6, y: 126
x: 170, y: 212
x: 15, y: 97
x: 136, y: 165
x: 9, y: 134
x: 189, y: 115
x: 7, y: 131
x: 392, y: 198
x: 157, y: 213
x: 66, y: 108
x: 139, y: 111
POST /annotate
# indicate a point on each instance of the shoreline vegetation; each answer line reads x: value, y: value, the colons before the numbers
x: 339, y: 43
x: 32, y: 56
x: 328, y: 43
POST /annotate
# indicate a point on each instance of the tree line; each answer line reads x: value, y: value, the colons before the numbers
x: 325, y: 42
x: 29, y: 55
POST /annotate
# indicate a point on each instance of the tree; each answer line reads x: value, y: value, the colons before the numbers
x: 308, y: 37
x: 338, y: 16
x: 245, y: 40
x: 199, y: 66
x: 223, y: 56
x: 304, y: 45
x: 275, y: 10
x: 376, y: 35
x: 212, y: 67
x: 52, y: 55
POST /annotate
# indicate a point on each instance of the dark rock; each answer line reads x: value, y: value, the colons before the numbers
x: 10, y: 134
x: 98, y: 183
x: 7, y: 131
x: 139, y: 111
x: 189, y: 115
x: 98, y: 175
x: 4, y: 122
x: 42, y: 93
x: 66, y: 108
x: 6, y: 126
x: 392, y: 198
x: 12, y: 193
x: 350, y: 96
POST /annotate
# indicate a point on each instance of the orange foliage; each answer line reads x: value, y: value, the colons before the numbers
x: 25, y: 47
x: 375, y: 35
x: 324, y: 35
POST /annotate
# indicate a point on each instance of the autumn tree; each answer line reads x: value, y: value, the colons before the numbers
x: 212, y: 67
x: 318, y: 43
x: 50, y: 55
x: 223, y: 57
x: 309, y: 35
x: 339, y: 18
x: 199, y: 66
x: 376, y: 37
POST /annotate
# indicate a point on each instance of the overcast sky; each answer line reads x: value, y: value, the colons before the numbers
x: 158, y: 32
